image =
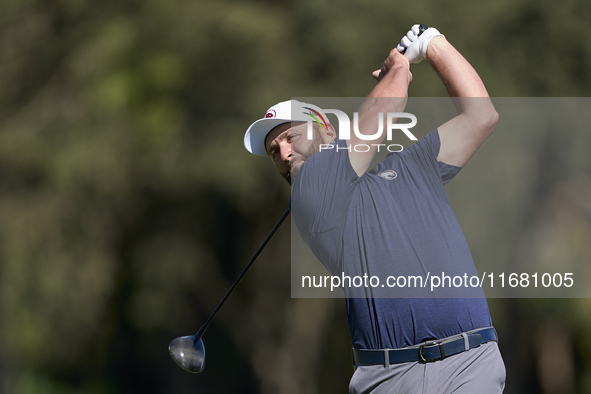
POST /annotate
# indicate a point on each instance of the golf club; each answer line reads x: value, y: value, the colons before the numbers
x: 189, y: 352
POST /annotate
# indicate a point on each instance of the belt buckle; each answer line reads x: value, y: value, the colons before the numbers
x: 422, y: 358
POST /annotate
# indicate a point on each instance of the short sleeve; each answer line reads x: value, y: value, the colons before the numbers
x: 448, y: 171
x: 426, y: 151
x: 322, y: 188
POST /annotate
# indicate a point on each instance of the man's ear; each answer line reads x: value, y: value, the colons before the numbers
x: 331, y: 133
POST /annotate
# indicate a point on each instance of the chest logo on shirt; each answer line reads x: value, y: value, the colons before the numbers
x: 388, y: 174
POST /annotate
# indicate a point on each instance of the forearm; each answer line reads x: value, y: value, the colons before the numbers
x: 469, y: 95
x: 389, y: 94
x: 458, y: 76
x: 463, y: 135
x: 395, y: 82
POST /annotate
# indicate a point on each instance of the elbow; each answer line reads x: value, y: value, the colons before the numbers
x: 488, y: 121
x: 493, y: 118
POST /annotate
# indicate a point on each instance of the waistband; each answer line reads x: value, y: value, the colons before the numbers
x: 428, y: 351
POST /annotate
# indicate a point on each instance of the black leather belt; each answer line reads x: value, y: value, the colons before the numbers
x: 427, y: 352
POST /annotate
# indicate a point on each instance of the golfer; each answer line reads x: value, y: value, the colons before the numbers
x: 394, y: 218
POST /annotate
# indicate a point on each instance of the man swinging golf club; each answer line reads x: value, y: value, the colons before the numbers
x: 396, y: 217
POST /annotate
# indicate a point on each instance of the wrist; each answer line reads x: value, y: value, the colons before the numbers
x: 399, y: 73
x: 402, y: 64
x: 394, y: 84
x: 435, y: 47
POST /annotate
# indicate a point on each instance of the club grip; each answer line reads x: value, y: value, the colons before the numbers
x: 422, y: 28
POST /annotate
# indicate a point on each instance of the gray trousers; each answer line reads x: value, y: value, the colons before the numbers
x: 480, y: 370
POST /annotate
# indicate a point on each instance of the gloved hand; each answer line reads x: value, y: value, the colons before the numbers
x: 414, y: 44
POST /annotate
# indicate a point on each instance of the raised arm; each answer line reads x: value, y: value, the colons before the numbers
x: 464, y: 134
x: 389, y: 95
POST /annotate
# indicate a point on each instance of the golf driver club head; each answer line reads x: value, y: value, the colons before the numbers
x: 188, y: 352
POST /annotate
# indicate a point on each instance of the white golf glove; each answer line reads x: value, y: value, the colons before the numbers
x: 414, y: 44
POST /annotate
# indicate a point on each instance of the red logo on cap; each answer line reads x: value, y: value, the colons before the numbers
x: 270, y: 114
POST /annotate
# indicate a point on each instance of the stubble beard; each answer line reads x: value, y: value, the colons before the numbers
x: 312, y: 149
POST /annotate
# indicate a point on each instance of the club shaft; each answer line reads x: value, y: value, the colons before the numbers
x: 244, y: 271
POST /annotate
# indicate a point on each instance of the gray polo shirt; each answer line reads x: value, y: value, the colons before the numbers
x: 395, y: 220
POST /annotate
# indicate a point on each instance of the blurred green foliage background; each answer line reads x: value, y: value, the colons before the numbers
x: 129, y: 204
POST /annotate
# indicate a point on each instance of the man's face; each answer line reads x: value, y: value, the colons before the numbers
x: 289, y: 147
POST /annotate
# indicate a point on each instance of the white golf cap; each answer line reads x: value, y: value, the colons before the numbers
x: 283, y: 112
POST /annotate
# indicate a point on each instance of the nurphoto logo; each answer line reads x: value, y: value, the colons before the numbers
x: 345, y: 129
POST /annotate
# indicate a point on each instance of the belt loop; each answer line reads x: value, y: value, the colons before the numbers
x: 466, y: 341
x: 387, y: 358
